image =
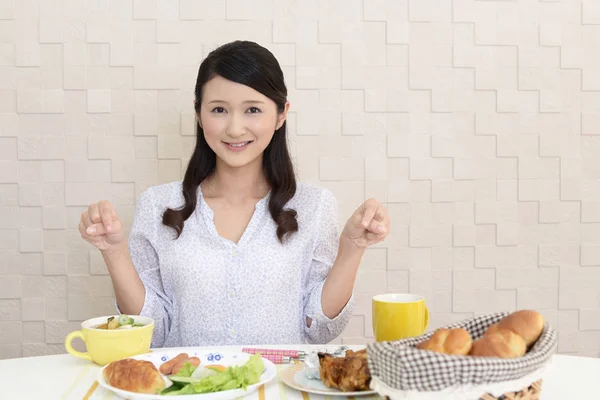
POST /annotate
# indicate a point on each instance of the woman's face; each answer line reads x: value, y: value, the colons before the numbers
x: 238, y: 121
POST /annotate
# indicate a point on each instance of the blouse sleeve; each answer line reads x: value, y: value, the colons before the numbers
x: 324, y: 329
x: 142, y: 239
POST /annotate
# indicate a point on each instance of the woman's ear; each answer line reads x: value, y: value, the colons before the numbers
x: 197, y: 113
x: 282, y: 115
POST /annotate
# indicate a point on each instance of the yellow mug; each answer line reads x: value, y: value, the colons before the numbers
x: 107, y: 345
x: 399, y: 316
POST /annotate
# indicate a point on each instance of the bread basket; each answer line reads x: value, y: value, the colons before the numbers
x: 401, y: 371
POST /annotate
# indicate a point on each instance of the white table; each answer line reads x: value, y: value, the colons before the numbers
x: 67, y: 377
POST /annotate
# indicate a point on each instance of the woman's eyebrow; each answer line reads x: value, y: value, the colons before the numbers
x: 245, y: 102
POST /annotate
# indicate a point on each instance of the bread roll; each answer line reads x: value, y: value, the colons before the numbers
x: 508, y: 338
x: 134, y: 375
x: 528, y: 324
x: 455, y: 341
x: 497, y: 342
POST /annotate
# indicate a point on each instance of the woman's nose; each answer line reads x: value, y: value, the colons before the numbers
x: 236, y: 127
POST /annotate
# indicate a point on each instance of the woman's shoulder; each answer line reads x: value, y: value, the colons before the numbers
x: 313, y: 197
x: 162, y: 195
x: 316, y: 207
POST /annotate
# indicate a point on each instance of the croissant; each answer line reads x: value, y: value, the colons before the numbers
x: 134, y: 375
x: 455, y: 341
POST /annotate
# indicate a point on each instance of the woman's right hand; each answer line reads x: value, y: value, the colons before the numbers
x: 100, y: 225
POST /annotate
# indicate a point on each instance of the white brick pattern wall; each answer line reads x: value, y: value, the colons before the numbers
x: 477, y: 122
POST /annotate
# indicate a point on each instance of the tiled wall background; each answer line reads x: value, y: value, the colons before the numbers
x: 477, y: 122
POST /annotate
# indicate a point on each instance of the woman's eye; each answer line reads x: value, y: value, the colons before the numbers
x: 218, y: 110
x: 253, y: 110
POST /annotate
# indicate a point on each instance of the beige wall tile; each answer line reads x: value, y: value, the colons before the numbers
x: 33, y: 349
x: 10, y: 310
x: 56, y: 331
x: 10, y: 264
x: 34, y: 332
x: 10, y: 351
x: 10, y: 286
x: 11, y: 332
x: 481, y: 140
x: 33, y: 309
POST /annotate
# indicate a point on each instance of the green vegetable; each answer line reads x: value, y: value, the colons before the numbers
x: 186, y: 370
x: 233, y: 377
x: 183, y: 379
x: 124, y: 319
x: 172, y: 388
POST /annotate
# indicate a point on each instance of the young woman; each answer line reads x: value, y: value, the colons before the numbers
x: 239, y: 252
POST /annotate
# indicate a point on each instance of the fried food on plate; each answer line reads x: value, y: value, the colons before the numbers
x: 348, y: 374
x: 134, y: 375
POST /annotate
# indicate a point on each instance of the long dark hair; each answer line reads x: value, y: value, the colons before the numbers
x: 252, y: 65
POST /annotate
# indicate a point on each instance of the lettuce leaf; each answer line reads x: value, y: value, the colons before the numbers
x: 186, y: 370
x: 234, y: 377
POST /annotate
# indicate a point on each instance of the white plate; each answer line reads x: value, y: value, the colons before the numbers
x: 225, y: 358
x: 295, y: 377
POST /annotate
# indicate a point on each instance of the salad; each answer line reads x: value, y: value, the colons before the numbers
x: 192, y: 379
x: 123, y: 321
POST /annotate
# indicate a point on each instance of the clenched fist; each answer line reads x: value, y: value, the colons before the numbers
x: 370, y: 224
x: 100, y: 225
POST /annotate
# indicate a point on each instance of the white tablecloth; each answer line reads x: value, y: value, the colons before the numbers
x: 67, y: 377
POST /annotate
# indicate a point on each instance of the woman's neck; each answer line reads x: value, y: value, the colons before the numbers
x: 237, y: 183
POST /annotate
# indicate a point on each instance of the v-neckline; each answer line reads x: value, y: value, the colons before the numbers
x: 208, y: 215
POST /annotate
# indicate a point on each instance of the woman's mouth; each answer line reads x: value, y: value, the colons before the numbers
x: 237, y: 146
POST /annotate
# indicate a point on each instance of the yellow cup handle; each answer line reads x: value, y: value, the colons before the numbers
x: 71, y: 350
x: 426, y: 324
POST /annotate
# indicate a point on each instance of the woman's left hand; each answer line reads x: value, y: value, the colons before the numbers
x: 368, y: 225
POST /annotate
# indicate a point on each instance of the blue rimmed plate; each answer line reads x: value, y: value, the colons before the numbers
x: 207, y: 357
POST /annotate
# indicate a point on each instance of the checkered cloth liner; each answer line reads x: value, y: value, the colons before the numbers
x: 402, y: 366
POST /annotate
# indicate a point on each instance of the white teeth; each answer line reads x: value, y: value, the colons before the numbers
x: 238, y: 144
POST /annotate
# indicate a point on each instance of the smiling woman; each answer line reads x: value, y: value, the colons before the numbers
x: 239, y: 252
x: 220, y: 121
x: 241, y: 107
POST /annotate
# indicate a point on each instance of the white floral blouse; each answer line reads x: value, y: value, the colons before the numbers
x: 202, y: 289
